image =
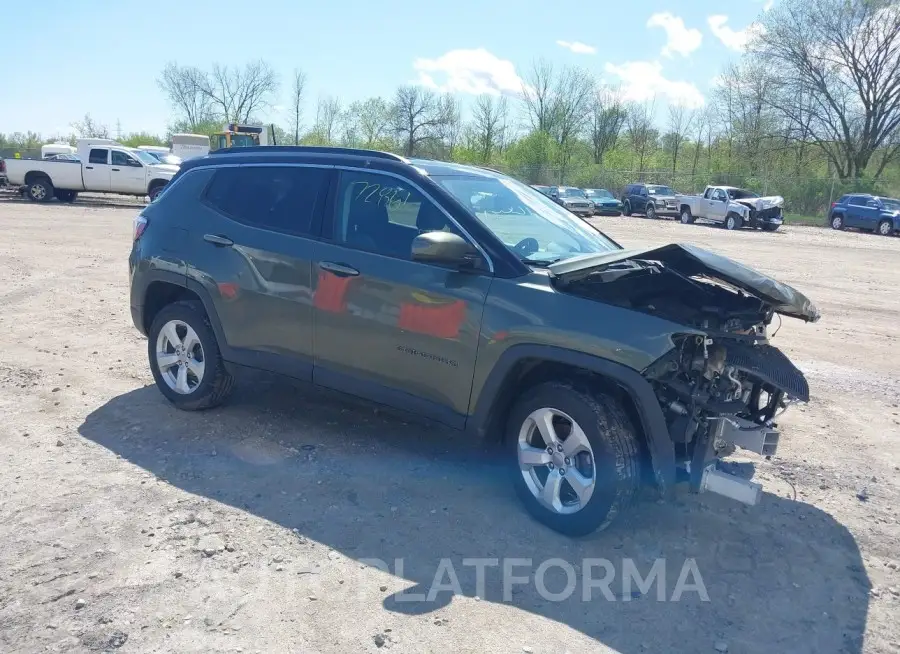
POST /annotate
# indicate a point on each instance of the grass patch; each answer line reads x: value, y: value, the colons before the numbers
x: 800, y: 219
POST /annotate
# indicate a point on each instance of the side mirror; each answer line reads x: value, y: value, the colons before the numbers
x: 445, y: 248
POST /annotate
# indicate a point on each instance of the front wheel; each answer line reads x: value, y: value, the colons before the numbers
x: 766, y: 227
x: 185, y: 359
x: 575, y: 457
x: 885, y: 228
x: 650, y: 211
x: 40, y: 190
x: 733, y: 221
x: 627, y: 209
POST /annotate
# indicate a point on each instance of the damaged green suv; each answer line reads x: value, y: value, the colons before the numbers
x: 471, y: 299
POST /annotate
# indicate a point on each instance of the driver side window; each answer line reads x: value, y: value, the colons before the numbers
x: 383, y: 214
x: 122, y: 159
x: 719, y: 195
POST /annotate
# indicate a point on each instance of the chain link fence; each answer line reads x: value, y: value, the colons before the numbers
x: 809, y: 197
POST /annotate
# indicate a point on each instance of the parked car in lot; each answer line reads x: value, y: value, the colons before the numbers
x: 572, y: 199
x: 469, y: 298
x: 863, y: 211
x: 605, y: 203
x: 652, y: 200
x: 101, y: 166
x: 541, y: 189
x: 733, y: 208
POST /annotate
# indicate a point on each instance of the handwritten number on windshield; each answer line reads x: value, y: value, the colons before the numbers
x: 388, y: 196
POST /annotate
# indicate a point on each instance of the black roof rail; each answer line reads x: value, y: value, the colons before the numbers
x: 310, y: 149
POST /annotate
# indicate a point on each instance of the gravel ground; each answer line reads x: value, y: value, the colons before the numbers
x: 127, y: 525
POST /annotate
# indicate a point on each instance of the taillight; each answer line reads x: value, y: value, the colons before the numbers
x: 833, y: 205
x: 140, y: 226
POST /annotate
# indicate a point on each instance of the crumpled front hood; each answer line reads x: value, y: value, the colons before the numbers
x: 692, y: 261
x: 761, y: 204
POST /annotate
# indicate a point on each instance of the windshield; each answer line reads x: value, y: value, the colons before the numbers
x: 169, y: 159
x: 571, y: 193
x: 890, y: 204
x: 741, y: 194
x: 599, y: 193
x: 537, y: 229
x: 146, y: 157
x: 660, y: 190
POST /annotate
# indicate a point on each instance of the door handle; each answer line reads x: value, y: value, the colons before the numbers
x: 115, y: 170
x: 338, y: 269
x: 88, y: 167
x: 218, y: 241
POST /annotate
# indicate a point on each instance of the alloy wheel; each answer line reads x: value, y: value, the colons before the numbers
x: 179, y: 357
x: 556, y: 461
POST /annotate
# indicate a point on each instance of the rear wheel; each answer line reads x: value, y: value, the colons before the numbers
x: 155, y: 191
x: 686, y: 217
x: 651, y: 211
x: 885, y: 228
x: 733, y: 221
x: 40, y: 190
x: 185, y: 359
x: 575, y: 457
x: 837, y: 221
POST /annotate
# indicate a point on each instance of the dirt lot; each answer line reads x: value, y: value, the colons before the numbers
x: 127, y: 525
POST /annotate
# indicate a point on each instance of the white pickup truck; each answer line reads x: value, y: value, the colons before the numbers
x: 733, y: 207
x: 102, y: 167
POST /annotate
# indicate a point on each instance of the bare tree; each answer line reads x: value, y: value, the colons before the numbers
x: 841, y: 58
x: 488, y: 125
x: 606, y: 121
x: 237, y: 94
x: 641, y: 135
x: 371, y: 119
x: 680, y: 121
x: 328, y: 118
x: 701, y: 123
x: 574, y: 92
x: 416, y: 117
x: 184, y: 87
x: 539, y: 95
x: 298, y: 86
x: 89, y: 128
x: 749, y: 124
x: 449, y: 128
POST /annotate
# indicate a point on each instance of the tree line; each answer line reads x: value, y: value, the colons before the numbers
x: 816, y: 96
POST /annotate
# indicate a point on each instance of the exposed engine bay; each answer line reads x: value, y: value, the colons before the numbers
x: 722, y: 388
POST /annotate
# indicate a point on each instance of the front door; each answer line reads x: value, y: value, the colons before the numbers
x: 397, y: 331
x: 95, y: 171
x: 126, y: 174
x: 253, y: 232
x: 718, y: 206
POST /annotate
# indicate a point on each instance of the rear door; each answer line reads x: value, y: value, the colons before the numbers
x: 253, y: 233
x: 126, y: 174
x: 96, y: 170
x: 396, y: 331
x: 856, y: 206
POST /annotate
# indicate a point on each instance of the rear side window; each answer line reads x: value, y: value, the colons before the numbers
x: 280, y: 198
x: 858, y: 201
x: 98, y: 156
x: 843, y: 199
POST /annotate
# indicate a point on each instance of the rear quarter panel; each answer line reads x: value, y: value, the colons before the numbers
x: 62, y: 174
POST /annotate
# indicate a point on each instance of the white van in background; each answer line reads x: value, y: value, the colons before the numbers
x: 56, y: 148
x: 188, y: 146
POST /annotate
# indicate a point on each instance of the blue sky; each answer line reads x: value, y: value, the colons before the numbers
x: 104, y: 56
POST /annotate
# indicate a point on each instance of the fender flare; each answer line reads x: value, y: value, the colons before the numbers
x: 652, y: 422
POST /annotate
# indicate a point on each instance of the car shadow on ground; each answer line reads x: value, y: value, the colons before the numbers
x: 783, y: 576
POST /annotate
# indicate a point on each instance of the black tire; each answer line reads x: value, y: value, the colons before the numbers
x: 627, y: 209
x: 733, y: 221
x: 767, y: 227
x: 217, y: 382
x: 66, y: 196
x: 885, y: 228
x: 154, y: 191
x: 40, y: 190
x: 650, y: 211
x: 837, y: 221
x: 687, y: 218
x: 615, y: 447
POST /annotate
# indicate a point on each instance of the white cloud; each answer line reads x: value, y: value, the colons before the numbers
x: 469, y: 71
x: 577, y: 47
x: 681, y: 39
x: 734, y: 39
x: 643, y: 80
